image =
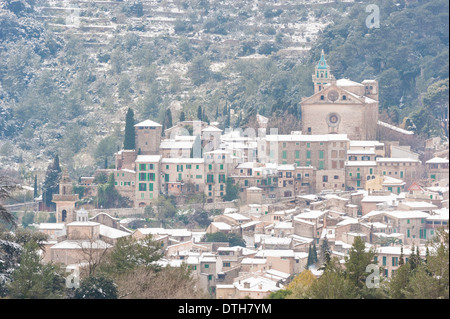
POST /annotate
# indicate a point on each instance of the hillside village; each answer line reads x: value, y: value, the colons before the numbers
x: 321, y: 187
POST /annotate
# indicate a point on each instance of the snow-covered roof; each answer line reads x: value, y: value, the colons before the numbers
x: 361, y: 152
x: 387, y: 180
x: 396, y: 160
x: 257, y: 283
x: 360, y: 163
x: 79, y: 244
x: 57, y: 226
x: 400, y: 214
x: 112, y: 232
x: 148, y: 158
x: 277, y: 240
x: 237, y: 216
x: 275, y: 253
x: 438, y: 160
x: 307, y: 138
x: 255, y: 261
x: 440, y: 214
x: 379, y: 199
x: 221, y: 225
x: 176, y: 160
x: 211, y: 129
x: 147, y: 123
x: 419, y: 205
x: 395, y: 128
x: 347, y: 82
x: 310, y: 215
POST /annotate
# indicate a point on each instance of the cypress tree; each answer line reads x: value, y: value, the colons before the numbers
x: 168, y: 119
x: 182, y: 116
x: 129, y: 141
x: 35, y: 194
x: 51, y: 182
x: 310, y: 260
x: 314, y: 253
x: 225, y: 109
x: 199, y: 113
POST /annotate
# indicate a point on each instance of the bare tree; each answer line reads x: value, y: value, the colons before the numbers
x: 168, y: 283
x: 93, y: 252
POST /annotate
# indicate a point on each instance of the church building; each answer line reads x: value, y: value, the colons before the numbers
x: 340, y: 106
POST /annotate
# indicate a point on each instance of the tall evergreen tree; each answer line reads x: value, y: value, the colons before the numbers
x: 310, y: 260
x: 51, y: 182
x: 182, y: 116
x: 129, y: 142
x: 168, y: 119
x: 225, y: 109
x: 35, y: 188
x: 199, y: 113
x: 314, y: 253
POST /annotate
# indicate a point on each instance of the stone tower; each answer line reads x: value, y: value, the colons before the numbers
x: 148, y: 137
x: 65, y: 200
x: 322, y: 74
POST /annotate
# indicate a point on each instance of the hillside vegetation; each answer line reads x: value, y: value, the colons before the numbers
x: 69, y: 70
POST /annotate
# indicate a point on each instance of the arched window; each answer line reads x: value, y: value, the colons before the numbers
x: 63, y: 215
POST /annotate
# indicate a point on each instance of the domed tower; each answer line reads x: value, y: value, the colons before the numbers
x: 322, y: 74
x: 65, y: 200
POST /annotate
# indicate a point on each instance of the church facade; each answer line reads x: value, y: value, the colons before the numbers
x: 340, y: 106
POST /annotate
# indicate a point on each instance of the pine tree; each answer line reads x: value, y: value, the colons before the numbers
x: 324, y: 251
x: 129, y: 142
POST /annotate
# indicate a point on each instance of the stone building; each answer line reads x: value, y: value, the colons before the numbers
x: 340, y: 106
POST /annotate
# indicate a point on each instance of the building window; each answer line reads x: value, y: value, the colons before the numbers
x: 325, y: 178
x: 142, y: 186
x: 394, y: 261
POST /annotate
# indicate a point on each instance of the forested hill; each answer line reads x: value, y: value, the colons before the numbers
x: 70, y: 69
x: 408, y: 54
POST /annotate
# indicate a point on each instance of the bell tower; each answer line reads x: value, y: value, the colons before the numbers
x: 65, y: 200
x: 322, y: 74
